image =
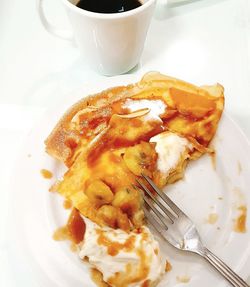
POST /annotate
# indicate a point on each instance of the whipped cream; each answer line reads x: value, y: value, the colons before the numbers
x: 118, y: 255
x: 170, y: 147
x: 156, y: 107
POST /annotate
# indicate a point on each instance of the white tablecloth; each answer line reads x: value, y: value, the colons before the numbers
x: 202, y: 42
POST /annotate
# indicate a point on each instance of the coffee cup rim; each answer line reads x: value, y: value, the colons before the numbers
x: 108, y: 15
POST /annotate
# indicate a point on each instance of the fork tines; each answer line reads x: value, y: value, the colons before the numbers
x: 172, y: 213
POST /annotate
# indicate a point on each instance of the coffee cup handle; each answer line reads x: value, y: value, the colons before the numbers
x: 65, y: 34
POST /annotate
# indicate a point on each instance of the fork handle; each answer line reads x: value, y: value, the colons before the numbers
x: 224, y: 270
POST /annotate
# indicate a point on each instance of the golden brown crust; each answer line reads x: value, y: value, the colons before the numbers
x: 63, y: 140
x: 59, y: 144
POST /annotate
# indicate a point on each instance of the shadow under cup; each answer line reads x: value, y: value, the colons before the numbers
x: 112, y: 43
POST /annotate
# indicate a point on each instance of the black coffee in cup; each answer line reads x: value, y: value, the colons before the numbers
x: 108, y: 6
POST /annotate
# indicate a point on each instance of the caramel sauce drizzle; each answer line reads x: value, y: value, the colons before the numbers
x: 74, y: 230
x: 240, y: 223
x: 168, y: 266
x: 213, y: 159
x: 108, y: 142
x: 67, y: 204
x: 46, y: 173
x: 113, y: 247
x: 146, y: 283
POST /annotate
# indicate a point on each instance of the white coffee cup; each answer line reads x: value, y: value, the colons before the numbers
x: 112, y: 43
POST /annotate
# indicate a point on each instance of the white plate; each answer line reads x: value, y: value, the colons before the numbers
x: 36, y: 213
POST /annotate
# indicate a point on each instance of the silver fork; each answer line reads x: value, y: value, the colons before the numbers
x: 176, y: 227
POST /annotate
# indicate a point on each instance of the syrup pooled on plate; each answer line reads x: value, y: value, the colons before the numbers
x: 46, y: 173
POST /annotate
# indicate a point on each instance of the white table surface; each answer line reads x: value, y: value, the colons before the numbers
x: 203, y: 42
